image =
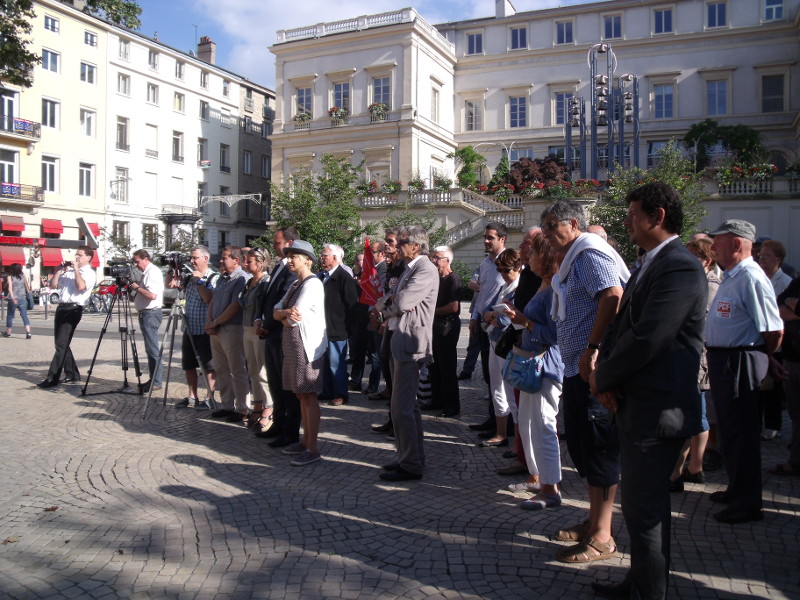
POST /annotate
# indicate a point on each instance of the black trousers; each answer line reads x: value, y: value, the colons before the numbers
x: 646, y: 467
x: 67, y: 319
x: 444, y: 369
x: 286, y: 409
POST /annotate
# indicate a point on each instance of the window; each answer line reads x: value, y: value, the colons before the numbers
x: 50, y: 113
x: 473, y: 115
x: 51, y: 23
x: 88, y: 72
x: 202, y: 151
x: 303, y: 100
x: 179, y: 103
x: 773, y: 10
x: 87, y: 122
x: 204, y: 79
x: 179, y: 68
x: 341, y: 95
x: 247, y: 162
x: 151, y: 149
x: 519, y: 38
x: 124, y: 49
x: 149, y: 235
x: 123, y: 84
x: 475, y: 42
x: 205, y: 110
x: 120, y: 230
x: 265, y: 166
x: 49, y: 173
x: 85, y: 172
x: 226, y: 88
x: 662, y: 20
x: 152, y: 93
x: 517, y: 111
x: 90, y: 39
x: 662, y: 101
x: 247, y: 124
x: 50, y: 60
x: 201, y: 191
x: 266, y: 129
x: 772, y: 93
x: 561, y: 106
x: 716, y: 14
x: 9, y: 163
x: 653, y: 149
x: 177, y: 146
x: 224, y: 209
x: 120, y: 185
x: 122, y: 134
x: 152, y: 59
x: 612, y: 27
x: 564, y: 32
x: 435, y: 105
x: 224, y: 158
x: 515, y: 155
x: 381, y: 91
x: 717, y: 97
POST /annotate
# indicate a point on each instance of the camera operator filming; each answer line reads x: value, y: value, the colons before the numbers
x: 75, y: 284
x: 148, y: 301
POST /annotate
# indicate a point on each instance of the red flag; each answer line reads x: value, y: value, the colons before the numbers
x: 370, y: 282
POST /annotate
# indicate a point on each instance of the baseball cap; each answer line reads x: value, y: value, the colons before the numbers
x: 737, y: 227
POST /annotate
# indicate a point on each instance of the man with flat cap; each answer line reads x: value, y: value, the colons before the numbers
x: 743, y: 330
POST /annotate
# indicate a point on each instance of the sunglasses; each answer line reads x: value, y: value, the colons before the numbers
x: 504, y: 270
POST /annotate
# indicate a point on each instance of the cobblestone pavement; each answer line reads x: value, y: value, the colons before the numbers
x: 98, y: 501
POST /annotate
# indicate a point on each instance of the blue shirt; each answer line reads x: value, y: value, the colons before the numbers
x: 543, y: 333
x: 743, y: 308
x: 227, y: 292
x: 196, y: 309
x: 491, y: 282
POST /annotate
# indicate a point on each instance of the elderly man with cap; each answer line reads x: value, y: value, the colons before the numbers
x: 743, y: 330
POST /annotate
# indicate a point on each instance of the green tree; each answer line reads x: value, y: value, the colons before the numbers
x: 321, y: 206
x: 401, y: 215
x: 672, y: 169
x: 471, y: 164
x: 17, y: 61
x: 501, y: 173
x: 743, y: 142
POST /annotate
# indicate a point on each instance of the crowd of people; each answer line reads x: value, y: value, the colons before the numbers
x: 651, y: 373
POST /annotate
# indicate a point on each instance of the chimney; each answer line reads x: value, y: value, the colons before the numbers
x: 207, y: 50
x: 504, y: 8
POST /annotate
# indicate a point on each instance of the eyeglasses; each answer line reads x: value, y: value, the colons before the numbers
x: 552, y: 225
x: 403, y: 242
x: 499, y: 270
x: 760, y: 256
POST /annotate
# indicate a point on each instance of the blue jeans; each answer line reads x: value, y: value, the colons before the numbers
x: 22, y: 307
x: 149, y: 322
x: 334, y: 379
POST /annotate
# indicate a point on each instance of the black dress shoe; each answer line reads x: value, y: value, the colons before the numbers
x: 354, y: 387
x: 392, y: 466
x: 612, y: 590
x: 499, y: 443
x: 71, y: 379
x: 272, y: 432
x: 485, y: 435
x: 282, y: 441
x: 47, y: 383
x: 721, y: 497
x: 386, y: 427
x: 737, y: 516
x: 400, y: 474
x: 449, y: 413
x: 485, y: 426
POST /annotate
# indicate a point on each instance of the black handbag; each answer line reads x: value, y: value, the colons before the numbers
x: 510, y: 337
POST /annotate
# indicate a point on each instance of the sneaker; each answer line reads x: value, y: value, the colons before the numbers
x: 690, y: 477
x: 202, y: 405
x: 306, y: 458
x: 27, y: 336
x: 540, y: 501
x: 297, y: 448
x: 186, y: 402
x: 525, y: 487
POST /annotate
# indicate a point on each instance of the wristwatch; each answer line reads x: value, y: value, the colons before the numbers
x: 590, y: 346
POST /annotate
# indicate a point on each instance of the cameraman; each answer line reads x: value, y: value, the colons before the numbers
x: 148, y: 301
x: 198, y: 294
x: 75, y: 285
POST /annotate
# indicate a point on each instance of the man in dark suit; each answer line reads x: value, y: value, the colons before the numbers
x: 286, y: 411
x: 341, y: 297
x: 647, y: 375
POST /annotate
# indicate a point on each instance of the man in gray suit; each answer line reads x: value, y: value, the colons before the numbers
x: 647, y: 375
x: 411, y: 306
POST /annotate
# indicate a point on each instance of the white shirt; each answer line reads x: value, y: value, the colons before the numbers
x: 68, y: 289
x: 647, y: 259
x: 780, y: 281
x: 153, y: 281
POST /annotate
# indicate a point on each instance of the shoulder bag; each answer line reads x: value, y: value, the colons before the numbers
x: 524, y: 370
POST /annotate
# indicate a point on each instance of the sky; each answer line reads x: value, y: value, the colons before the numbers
x: 243, y: 30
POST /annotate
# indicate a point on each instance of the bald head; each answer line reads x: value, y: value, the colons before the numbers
x: 598, y: 230
x: 525, y: 244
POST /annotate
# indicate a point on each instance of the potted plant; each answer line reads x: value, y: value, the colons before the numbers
x: 378, y: 110
x: 337, y: 113
x: 762, y: 172
x: 441, y: 183
x: 416, y: 184
x: 391, y: 187
x: 301, y: 117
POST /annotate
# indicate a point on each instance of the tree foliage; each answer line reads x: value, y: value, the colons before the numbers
x: 321, y: 206
x: 401, y: 215
x: 16, y: 16
x: 742, y: 142
x: 674, y: 169
x: 471, y: 164
x: 500, y: 175
x: 527, y: 171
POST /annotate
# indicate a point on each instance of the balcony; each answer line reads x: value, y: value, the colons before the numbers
x: 21, y: 128
x: 21, y: 194
x: 151, y: 153
x: 177, y: 214
x: 224, y: 169
x: 176, y: 158
x: 124, y: 147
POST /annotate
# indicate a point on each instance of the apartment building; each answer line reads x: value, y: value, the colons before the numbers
x: 138, y: 138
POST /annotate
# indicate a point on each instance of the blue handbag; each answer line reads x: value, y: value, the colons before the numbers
x: 524, y: 370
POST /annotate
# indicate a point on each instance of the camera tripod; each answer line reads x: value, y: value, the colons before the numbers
x: 178, y: 314
x: 126, y: 334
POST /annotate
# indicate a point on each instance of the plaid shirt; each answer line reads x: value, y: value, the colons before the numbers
x: 196, y: 309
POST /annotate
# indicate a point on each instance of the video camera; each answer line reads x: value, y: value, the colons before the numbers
x: 120, y: 270
x: 179, y: 264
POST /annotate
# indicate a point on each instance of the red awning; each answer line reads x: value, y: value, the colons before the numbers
x: 52, y: 226
x: 94, y: 228
x: 10, y: 255
x: 12, y: 223
x: 95, y: 260
x: 51, y: 257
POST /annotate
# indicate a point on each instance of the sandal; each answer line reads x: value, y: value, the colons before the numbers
x: 252, y: 418
x: 263, y: 424
x: 586, y: 551
x: 571, y: 534
x: 784, y: 469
